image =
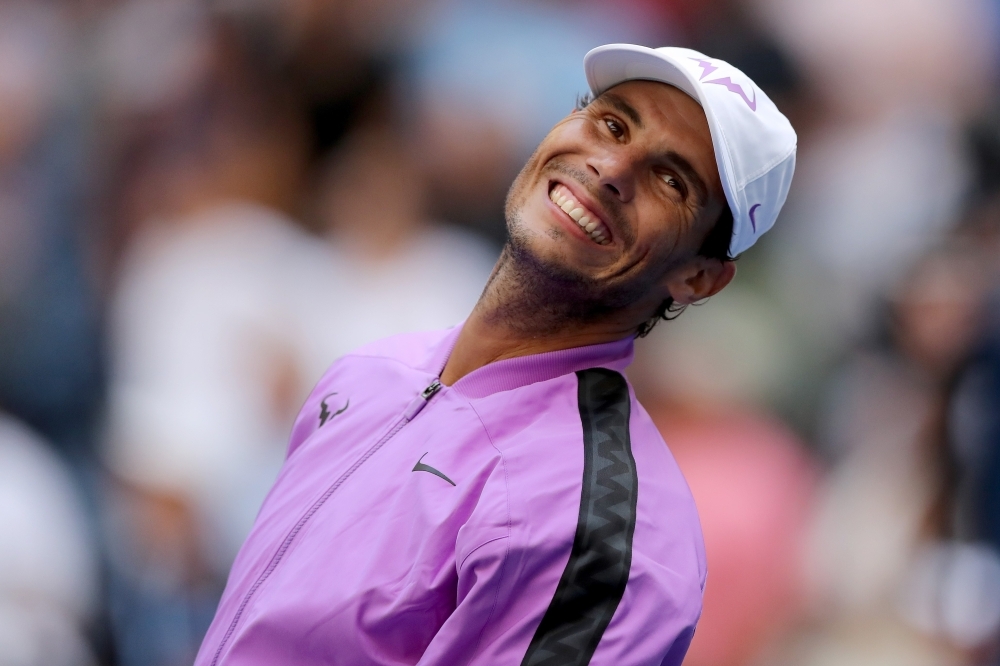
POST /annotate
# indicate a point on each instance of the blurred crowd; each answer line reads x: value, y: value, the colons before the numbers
x: 204, y: 203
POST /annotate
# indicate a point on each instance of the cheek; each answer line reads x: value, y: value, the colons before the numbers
x: 516, y: 193
x: 521, y: 188
x: 661, y: 234
x: 570, y: 135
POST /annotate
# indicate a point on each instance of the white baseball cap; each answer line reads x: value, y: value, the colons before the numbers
x: 754, y: 142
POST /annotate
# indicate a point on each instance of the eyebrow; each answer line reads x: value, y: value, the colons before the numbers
x: 678, y: 161
x: 621, y: 105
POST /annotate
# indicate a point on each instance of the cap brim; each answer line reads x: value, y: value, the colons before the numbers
x: 607, y: 66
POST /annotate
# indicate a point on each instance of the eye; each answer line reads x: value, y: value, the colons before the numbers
x: 674, y: 182
x: 671, y: 180
x: 614, y: 127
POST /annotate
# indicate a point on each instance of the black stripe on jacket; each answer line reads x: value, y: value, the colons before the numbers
x: 593, y: 582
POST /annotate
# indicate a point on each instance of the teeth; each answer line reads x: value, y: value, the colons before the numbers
x: 561, y: 196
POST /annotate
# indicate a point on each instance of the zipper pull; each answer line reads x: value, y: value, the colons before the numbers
x: 421, y: 400
x: 429, y: 392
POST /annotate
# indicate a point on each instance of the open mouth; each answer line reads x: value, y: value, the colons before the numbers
x: 585, y: 218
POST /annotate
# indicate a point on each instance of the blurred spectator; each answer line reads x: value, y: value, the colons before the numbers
x: 49, y: 362
x: 204, y: 388
x: 48, y: 563
x: 388, y: 268
x: 881, y: 178
x: 152, y: 54
x: 204, y: 382
x: 335, y: 54
x: 884, y: 559
x: 974, y: 412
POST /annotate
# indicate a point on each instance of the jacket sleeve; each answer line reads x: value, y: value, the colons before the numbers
x: 509, y: 613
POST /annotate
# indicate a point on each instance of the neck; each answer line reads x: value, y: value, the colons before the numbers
x: 520, y: 314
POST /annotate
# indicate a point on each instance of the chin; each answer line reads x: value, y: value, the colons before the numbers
x: 540, y: 259
x: 539, y: 241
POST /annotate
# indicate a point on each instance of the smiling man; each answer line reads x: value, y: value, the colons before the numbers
x: 494, y: 494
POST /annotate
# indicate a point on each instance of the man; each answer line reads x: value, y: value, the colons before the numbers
x: 493, y: 494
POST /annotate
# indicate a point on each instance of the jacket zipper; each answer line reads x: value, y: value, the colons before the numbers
x: 414, y: 408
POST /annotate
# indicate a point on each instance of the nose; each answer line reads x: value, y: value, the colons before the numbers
x: 614, y: 173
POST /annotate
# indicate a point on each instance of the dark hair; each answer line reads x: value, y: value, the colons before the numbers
x: 715, y: 246
x: 716, y: 243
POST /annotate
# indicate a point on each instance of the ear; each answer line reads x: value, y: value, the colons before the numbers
x: 701, y: 278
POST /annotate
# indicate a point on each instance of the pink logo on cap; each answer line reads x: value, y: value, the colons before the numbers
x: 707, y: 68
x: 736, y: 88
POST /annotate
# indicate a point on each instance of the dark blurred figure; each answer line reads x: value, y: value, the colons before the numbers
x: 387, y: 266
x: 50, y: 373
x: 208, y: 148
x: 881, y: 175
x: 977, y: 424
x: 973, y: 411
x: 896, y: 568
x: 335, y: 54
x: 976, y: 413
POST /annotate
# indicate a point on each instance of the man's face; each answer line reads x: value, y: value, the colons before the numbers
x: 620, y: 193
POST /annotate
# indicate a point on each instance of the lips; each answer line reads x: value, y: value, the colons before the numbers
x: 588, y: 221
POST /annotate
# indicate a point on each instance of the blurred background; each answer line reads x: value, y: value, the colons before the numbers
x: 203, y: 204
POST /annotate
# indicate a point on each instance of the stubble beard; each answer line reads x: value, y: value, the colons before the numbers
x: 538, y: 296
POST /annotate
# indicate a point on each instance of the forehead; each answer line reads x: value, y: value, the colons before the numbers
x: 660, y: 100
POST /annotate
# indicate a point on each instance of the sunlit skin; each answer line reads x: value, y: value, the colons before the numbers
x: 639, y: 158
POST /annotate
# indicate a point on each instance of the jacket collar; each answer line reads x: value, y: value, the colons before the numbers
x: 520, y: 371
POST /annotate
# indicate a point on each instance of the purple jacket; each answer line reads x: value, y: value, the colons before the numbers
x: 528, y: 514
